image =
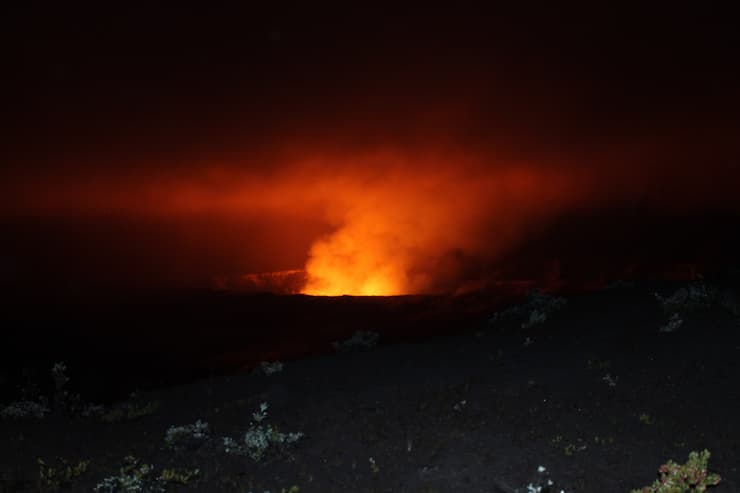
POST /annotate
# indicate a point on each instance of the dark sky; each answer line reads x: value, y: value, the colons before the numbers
x: 152, y: 79
x: 119, y: 120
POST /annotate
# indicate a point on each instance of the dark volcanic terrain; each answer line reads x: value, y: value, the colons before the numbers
x: 596, y: 394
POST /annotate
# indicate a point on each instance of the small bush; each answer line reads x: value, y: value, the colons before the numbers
x: 139, y: 478
x: 359, y: 341
x: 188, y: 436
x: 63, y: 475
x: 179, y: 476
x: 692, y: 297
x: 536, y: 317
x: 132, y: 478
x: 268, y: 369
x: 673, y: 324
x: 258, y: 438
x: 687, y: 478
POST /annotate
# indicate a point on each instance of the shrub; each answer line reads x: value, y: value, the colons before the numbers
x: 139, y: 478
x: 360, y: 340
x: 188, y: 436
x: 687, y: 478
x: 259, y: 437
x: 673, y: 323
x: 132, y: 478
x: 179, y: 476
x: 269, y: 368
x: 536, y: 317
x: 62, y: 475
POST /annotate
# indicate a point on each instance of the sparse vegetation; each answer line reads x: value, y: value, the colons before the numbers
x: 179, y: 476
x: 267, y: 368
x: 61, y: 475
x: 24, y: 409
x: 610, y: 380
x: 187, y: 436
x: 128, y: 411
x: 133, y: 477
x: 262, y: 442
x: 674, y: 322
x: 360, y: 340
x: 693, y: 296
x: 256, y: 441
x: 535, y: 311
x: 66, y: 403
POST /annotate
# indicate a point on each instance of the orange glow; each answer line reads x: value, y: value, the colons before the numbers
x: 401, y: 233
x: 386, y: 222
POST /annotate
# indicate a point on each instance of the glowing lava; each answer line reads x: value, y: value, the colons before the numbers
x: 417, y: 229
x: 354, y: 261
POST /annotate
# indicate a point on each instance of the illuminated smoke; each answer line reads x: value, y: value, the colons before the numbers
x: 413, y: 229
x: 364, y: 223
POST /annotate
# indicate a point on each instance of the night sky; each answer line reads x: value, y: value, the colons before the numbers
x: 385, y: 152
